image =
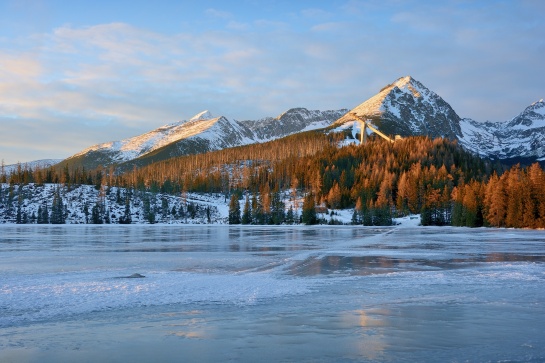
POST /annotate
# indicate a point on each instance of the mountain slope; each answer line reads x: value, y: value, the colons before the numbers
x: 43, y: 163
x: 521, y: 137
x: 200, y: 134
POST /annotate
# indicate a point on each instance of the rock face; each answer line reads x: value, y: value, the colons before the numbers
x: 407, y: 108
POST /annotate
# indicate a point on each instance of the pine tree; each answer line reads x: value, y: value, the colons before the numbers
x: 45, y: 214
x: 57, y: 209
x: 309, y: 210
x: 127, y: 216
x: 290, y: 217
x: 19, y: 218
x: 96, y: 218
x: 247, y: 212
x: 39, y: 218
x: 234, y: 210
x: 278, y: 214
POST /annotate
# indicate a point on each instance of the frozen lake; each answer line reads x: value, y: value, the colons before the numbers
x: 271, y: 294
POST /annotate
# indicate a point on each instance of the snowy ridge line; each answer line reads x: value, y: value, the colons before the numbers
x: 210, y: 133
x: 43, y: 163
x: 406, y: 107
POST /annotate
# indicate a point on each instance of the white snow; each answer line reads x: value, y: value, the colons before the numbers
x: 204, y: 115
x: 43, y: 163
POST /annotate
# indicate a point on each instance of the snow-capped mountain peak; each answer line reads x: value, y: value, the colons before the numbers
x: 204, y: 115
x: 406, y: 107
x: 202, y: 133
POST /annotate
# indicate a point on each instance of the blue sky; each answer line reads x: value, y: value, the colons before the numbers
x: 76, y: 73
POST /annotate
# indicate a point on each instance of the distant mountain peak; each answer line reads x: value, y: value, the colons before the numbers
x: 204, y: 115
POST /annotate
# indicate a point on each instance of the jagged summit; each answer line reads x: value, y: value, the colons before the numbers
x: 204, y: 115
x: 406, y: 107
x: 202, y: 133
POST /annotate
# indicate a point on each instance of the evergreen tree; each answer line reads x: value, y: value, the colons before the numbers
x: 19, y: 218
x: 45, y: 214
x: 39, y: 218
x: 127, y: 216
x: 164, y: 208
x: 86, y: 212
x: 107, y: 218
x: 247, y: 212
x: 57, y: 209
x: 96, y: 217
x: 278, y: 214
x: 309, y: 210
x: 234, y: 210
x: 257, y: 210
x: 208, y: 214
x: 290, y: 216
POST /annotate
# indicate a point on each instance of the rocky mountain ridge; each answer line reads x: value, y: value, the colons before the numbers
x: 202, y: 133
x: 407, y: 108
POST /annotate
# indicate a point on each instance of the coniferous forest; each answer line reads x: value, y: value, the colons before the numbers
x: 289, y: 180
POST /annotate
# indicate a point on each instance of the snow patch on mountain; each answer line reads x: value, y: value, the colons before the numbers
x: 204, y: 115
x: 206, y: 133
x: 522, y: 136
x: 42, y: 163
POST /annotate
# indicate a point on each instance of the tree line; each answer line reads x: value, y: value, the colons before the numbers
x: 435, y: 178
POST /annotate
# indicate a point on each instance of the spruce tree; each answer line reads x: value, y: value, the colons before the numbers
x: 127, y: 218
x: 247, y: 212
x: 19, y: 218
x: 278, y: 214
x: 309, y: 210
x: 234, y: 210
x: 45, y: 214
x: 57, y: 209
x: 290, y: 217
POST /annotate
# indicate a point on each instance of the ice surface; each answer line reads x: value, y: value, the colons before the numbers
x: 338, y: 293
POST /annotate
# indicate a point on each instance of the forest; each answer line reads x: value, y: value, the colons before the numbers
x: 291, y: 179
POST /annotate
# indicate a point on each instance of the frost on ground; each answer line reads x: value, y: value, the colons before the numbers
x: 79, y: 201
x: 115, y: 204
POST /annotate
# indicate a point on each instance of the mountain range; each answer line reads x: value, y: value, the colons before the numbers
x: 202, y: 133
x: 405, y: 107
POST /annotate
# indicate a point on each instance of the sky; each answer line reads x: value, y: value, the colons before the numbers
x: 78, y: 73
